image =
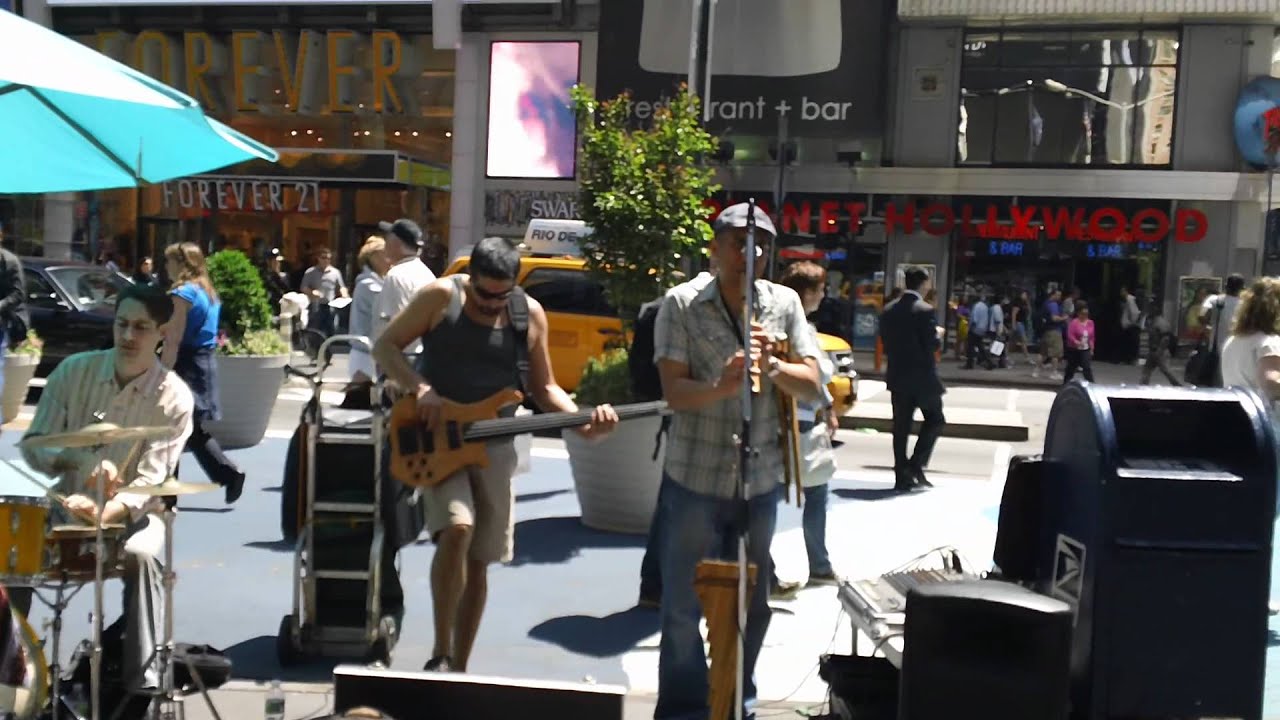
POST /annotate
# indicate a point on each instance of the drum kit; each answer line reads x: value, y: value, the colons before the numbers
x: 36, y: 553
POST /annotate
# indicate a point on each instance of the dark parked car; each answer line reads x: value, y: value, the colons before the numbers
x: 71, y: 305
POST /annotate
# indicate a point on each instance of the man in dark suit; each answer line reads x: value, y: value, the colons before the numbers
x: 909, y: 329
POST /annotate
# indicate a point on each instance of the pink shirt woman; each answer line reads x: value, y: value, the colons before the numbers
x: 1080, y: 334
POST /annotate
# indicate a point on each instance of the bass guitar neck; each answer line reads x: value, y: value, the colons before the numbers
x: 422, y: 457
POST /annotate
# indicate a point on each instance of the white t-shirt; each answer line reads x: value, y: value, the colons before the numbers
x: 403, y: 281
x: 1221, y: 328
x: 1240, y: 357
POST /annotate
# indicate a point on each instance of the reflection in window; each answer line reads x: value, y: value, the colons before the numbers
x: 567, y: 291
x: 1068, y: 98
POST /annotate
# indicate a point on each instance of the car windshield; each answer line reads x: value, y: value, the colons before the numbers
x: 90, y: 287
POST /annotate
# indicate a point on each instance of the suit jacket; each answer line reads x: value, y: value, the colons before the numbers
x: 908, y: 328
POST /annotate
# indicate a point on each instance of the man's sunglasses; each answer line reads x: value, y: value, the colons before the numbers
x: 489, y: 295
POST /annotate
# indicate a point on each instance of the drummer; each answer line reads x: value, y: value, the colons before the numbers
x: 126, y: 386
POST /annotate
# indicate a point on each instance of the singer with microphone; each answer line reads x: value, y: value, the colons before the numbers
x: 699, y: 351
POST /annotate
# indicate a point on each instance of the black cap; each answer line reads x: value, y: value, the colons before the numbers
x: 405, y: 229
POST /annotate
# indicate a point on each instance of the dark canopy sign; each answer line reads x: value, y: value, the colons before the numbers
x: 816, y: 62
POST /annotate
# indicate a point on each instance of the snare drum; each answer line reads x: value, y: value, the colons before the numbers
x: 22, y: 527
x: 70, y: 550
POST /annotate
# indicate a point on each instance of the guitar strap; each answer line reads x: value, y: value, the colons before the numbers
x: 518, y: 311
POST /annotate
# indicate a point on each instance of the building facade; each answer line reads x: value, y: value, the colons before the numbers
x: 360, y: 101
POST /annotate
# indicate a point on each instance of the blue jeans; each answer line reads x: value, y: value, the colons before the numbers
x: 814, y: 523
x: 651, y: 564
x: 696, y: 527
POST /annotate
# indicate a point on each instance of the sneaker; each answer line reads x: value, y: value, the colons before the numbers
x: 827, y: 578
x: 439, y: 663
x: 233, y: 488
x: 784, y: 590
x: 1035, y: 373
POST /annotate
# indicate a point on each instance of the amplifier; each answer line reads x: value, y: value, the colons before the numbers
x: 985, y: 649
x: 458, y: 696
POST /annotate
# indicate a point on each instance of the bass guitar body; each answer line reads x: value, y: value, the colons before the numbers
x: 422, y: 457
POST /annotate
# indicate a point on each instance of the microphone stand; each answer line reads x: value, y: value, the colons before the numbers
x: 745, y: 458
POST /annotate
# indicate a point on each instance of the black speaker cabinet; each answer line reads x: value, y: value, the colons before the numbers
x: 459, y: 696
x: 985, y: 649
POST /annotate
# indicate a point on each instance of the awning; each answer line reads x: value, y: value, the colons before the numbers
x: 347, y: 167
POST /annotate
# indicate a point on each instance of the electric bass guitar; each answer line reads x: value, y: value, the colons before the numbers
x: 422, y: 458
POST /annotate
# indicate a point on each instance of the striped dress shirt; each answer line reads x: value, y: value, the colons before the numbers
x: 84, y: 385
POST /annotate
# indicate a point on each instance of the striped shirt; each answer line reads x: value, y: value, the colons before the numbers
x: 694, y: 328
x: 85, y: 384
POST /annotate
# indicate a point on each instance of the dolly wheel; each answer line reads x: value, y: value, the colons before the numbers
x: 286, y: 652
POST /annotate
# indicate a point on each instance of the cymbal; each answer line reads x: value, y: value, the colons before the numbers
x: 95, y: 435
x: 170, y: 488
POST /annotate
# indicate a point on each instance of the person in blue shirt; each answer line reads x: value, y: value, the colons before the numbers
x: 191, y: 340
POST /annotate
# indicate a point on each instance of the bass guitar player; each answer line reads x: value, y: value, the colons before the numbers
x: 481, y: 334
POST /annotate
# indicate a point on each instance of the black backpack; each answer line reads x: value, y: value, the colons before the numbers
x: 646, y: 383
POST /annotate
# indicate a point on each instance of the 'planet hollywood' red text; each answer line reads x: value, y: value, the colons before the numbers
x: 1024, y: 222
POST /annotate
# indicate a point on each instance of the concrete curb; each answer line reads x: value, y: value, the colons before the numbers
x: 961, y: 430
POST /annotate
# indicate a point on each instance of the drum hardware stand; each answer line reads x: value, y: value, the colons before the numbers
x: 61, y: 600
x: 165, y: 705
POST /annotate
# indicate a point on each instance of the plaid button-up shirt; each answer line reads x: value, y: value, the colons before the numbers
x: 694, y: 328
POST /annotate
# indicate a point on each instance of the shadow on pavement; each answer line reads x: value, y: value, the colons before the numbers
x: 535, y: 496
x: 215, y: 511
x: 865, y: 494
x: 598, y: 637
x: 554, y: 540
x: 272, y: 545
x: 255, y: 659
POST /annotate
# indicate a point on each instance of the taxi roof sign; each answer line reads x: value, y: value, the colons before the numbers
x: 545, y: 236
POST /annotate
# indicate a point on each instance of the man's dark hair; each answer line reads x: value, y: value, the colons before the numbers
x: 914, y: 277
x: 1235, y: 284
x: 157, y: 302
x: 496, y: 259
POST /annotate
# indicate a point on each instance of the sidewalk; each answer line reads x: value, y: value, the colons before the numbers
x: 1019, y: 375
x: 245, y: 700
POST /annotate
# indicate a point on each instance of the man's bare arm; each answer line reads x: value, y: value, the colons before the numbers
x: 407, y: 326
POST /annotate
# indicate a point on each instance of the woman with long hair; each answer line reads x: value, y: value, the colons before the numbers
x: 1081, y: 339
x: 1251, y: 356
x: 191, y: 339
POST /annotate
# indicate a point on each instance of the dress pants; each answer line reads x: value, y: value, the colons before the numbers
x: 143, y: 602
x: 905, y: 404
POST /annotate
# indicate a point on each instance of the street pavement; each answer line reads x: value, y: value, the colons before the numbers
x: 564, y: 608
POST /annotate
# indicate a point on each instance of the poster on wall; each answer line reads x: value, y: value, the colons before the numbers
x: 900, y: 275
x: 532, y: 129
x: 1192, y: 292
x: 816, y: 62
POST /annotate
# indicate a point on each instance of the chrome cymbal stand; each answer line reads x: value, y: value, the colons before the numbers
x: 166, y: 705
x: 58, y: 605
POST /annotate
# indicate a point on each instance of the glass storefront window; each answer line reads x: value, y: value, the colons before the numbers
x: 363, y: 121
x: 1088, y: 97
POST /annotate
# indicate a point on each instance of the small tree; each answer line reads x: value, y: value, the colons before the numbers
x: 246, y: 314
x: 643, y: 192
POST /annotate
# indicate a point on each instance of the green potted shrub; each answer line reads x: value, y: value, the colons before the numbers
x: 643, y: 191
x: 20, y: 363
x: 251, y: 356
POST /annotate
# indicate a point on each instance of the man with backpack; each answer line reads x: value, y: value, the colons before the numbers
x: 700, y: 347
x: 480, y: 335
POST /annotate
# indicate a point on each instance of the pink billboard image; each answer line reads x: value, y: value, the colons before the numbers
x: 532, y: 129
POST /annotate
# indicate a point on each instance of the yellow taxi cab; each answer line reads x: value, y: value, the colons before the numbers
x: 580, y: 320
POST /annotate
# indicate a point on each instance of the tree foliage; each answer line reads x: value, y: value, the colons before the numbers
x: 643, y: 191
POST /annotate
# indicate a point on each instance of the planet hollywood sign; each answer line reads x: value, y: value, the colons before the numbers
x: 1023, y: 222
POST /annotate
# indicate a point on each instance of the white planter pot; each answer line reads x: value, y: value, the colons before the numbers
x: 18, y: 372
x: 617, y: 478
x: 247, y: 387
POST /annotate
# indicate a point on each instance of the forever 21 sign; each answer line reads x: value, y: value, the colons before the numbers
x: 245, y: 195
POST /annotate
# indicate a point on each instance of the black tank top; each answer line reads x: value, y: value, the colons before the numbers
x: 465, y: 361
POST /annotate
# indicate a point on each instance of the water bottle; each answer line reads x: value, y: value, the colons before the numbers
x: 275, y: 702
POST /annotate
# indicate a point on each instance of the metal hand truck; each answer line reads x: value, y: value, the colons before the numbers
x: 338, y: 555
